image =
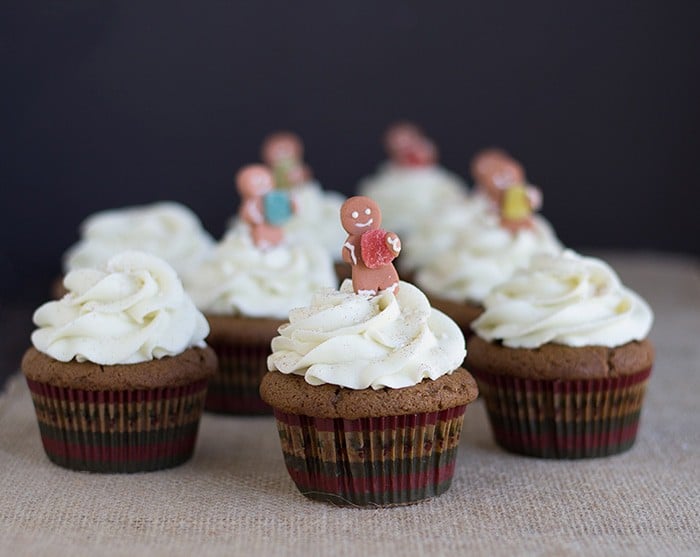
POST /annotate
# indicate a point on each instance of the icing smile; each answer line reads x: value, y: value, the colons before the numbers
x: 363, y: 224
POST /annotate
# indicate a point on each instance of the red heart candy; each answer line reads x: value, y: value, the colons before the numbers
x: 374, y: 249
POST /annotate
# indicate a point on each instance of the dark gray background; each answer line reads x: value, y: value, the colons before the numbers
x: 107, y: 104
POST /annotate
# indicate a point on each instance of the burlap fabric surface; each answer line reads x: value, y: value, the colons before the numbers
x: 235, y: 497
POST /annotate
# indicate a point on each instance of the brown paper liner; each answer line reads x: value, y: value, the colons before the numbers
x: 235, y: 387
x: 564, y: 419
x: 118, y: 431
x: 387, y: 461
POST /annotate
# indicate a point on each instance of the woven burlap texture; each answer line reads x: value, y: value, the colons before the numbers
x: 235, y: 497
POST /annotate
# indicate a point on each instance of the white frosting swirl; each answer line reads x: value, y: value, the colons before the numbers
x: 483, y: 255
x: 436, y: 235
x: 357, y: 341
x: 167, y: 229
x: 240, y: 278
x: 317, y: 220
x: 569, y: 299
x: 133, y: 310
x: 407, y: 195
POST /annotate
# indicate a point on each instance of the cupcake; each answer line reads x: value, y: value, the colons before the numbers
x: 562, y: 359
x: 366, y: 383
x: 411, y: 187
x: 246, y: 287
x: 118, y: 370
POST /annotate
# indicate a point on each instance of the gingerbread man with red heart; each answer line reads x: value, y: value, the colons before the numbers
x: 369, y: 249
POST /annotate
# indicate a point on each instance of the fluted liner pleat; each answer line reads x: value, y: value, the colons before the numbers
x: 565, y: 419
x: 235, y: 387
x: 118, y: 431
x: 383, y: 461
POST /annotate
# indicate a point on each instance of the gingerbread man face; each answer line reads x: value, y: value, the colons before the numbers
x: 359, y: 214
x: 254, y: 180
x: 495, y: 170
x: 507, y: 174
x: 280, y: 146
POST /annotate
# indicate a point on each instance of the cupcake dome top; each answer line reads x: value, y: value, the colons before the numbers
x: 239, y: 278
x: 412, y: 173
x: 566, y: 299
x: 132, y: 310
x: 482, y: 255
x: 166, y: 229
x: 360, y: 341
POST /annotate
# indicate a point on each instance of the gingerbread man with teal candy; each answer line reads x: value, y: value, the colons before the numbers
x: 263, y: 208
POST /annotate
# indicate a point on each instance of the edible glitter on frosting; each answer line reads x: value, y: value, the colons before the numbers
x: 362, y: 341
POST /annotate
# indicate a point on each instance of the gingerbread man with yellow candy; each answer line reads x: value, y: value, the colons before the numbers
x: 501, y: 178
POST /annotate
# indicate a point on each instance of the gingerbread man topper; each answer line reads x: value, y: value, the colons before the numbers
x: 501, y: 178
x: 262, y: 208
x: 408, y: 146
x: 283, y: 152
x: 494, y: 170
x: 368, y: 249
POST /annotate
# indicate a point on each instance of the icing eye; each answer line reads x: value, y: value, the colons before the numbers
x: 355, y: 214
x: 368, y: 211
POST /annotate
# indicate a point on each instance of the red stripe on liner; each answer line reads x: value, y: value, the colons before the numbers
x: 112, y: 397
x: 562, y: 385
x: 374, y: 484
x: 124, y: 453
x: 567, y: 441
x: 371, y: 424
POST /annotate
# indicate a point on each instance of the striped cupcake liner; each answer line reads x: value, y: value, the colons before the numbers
x: 235, y: 387
x: 387, y: 461
x: 563, y: 419
x: 118, y: 431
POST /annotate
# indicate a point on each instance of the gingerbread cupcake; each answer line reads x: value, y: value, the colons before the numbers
x: 248, y: 284
x: 366, y: 382
x: 119, y: 368
x: 562, y: 359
